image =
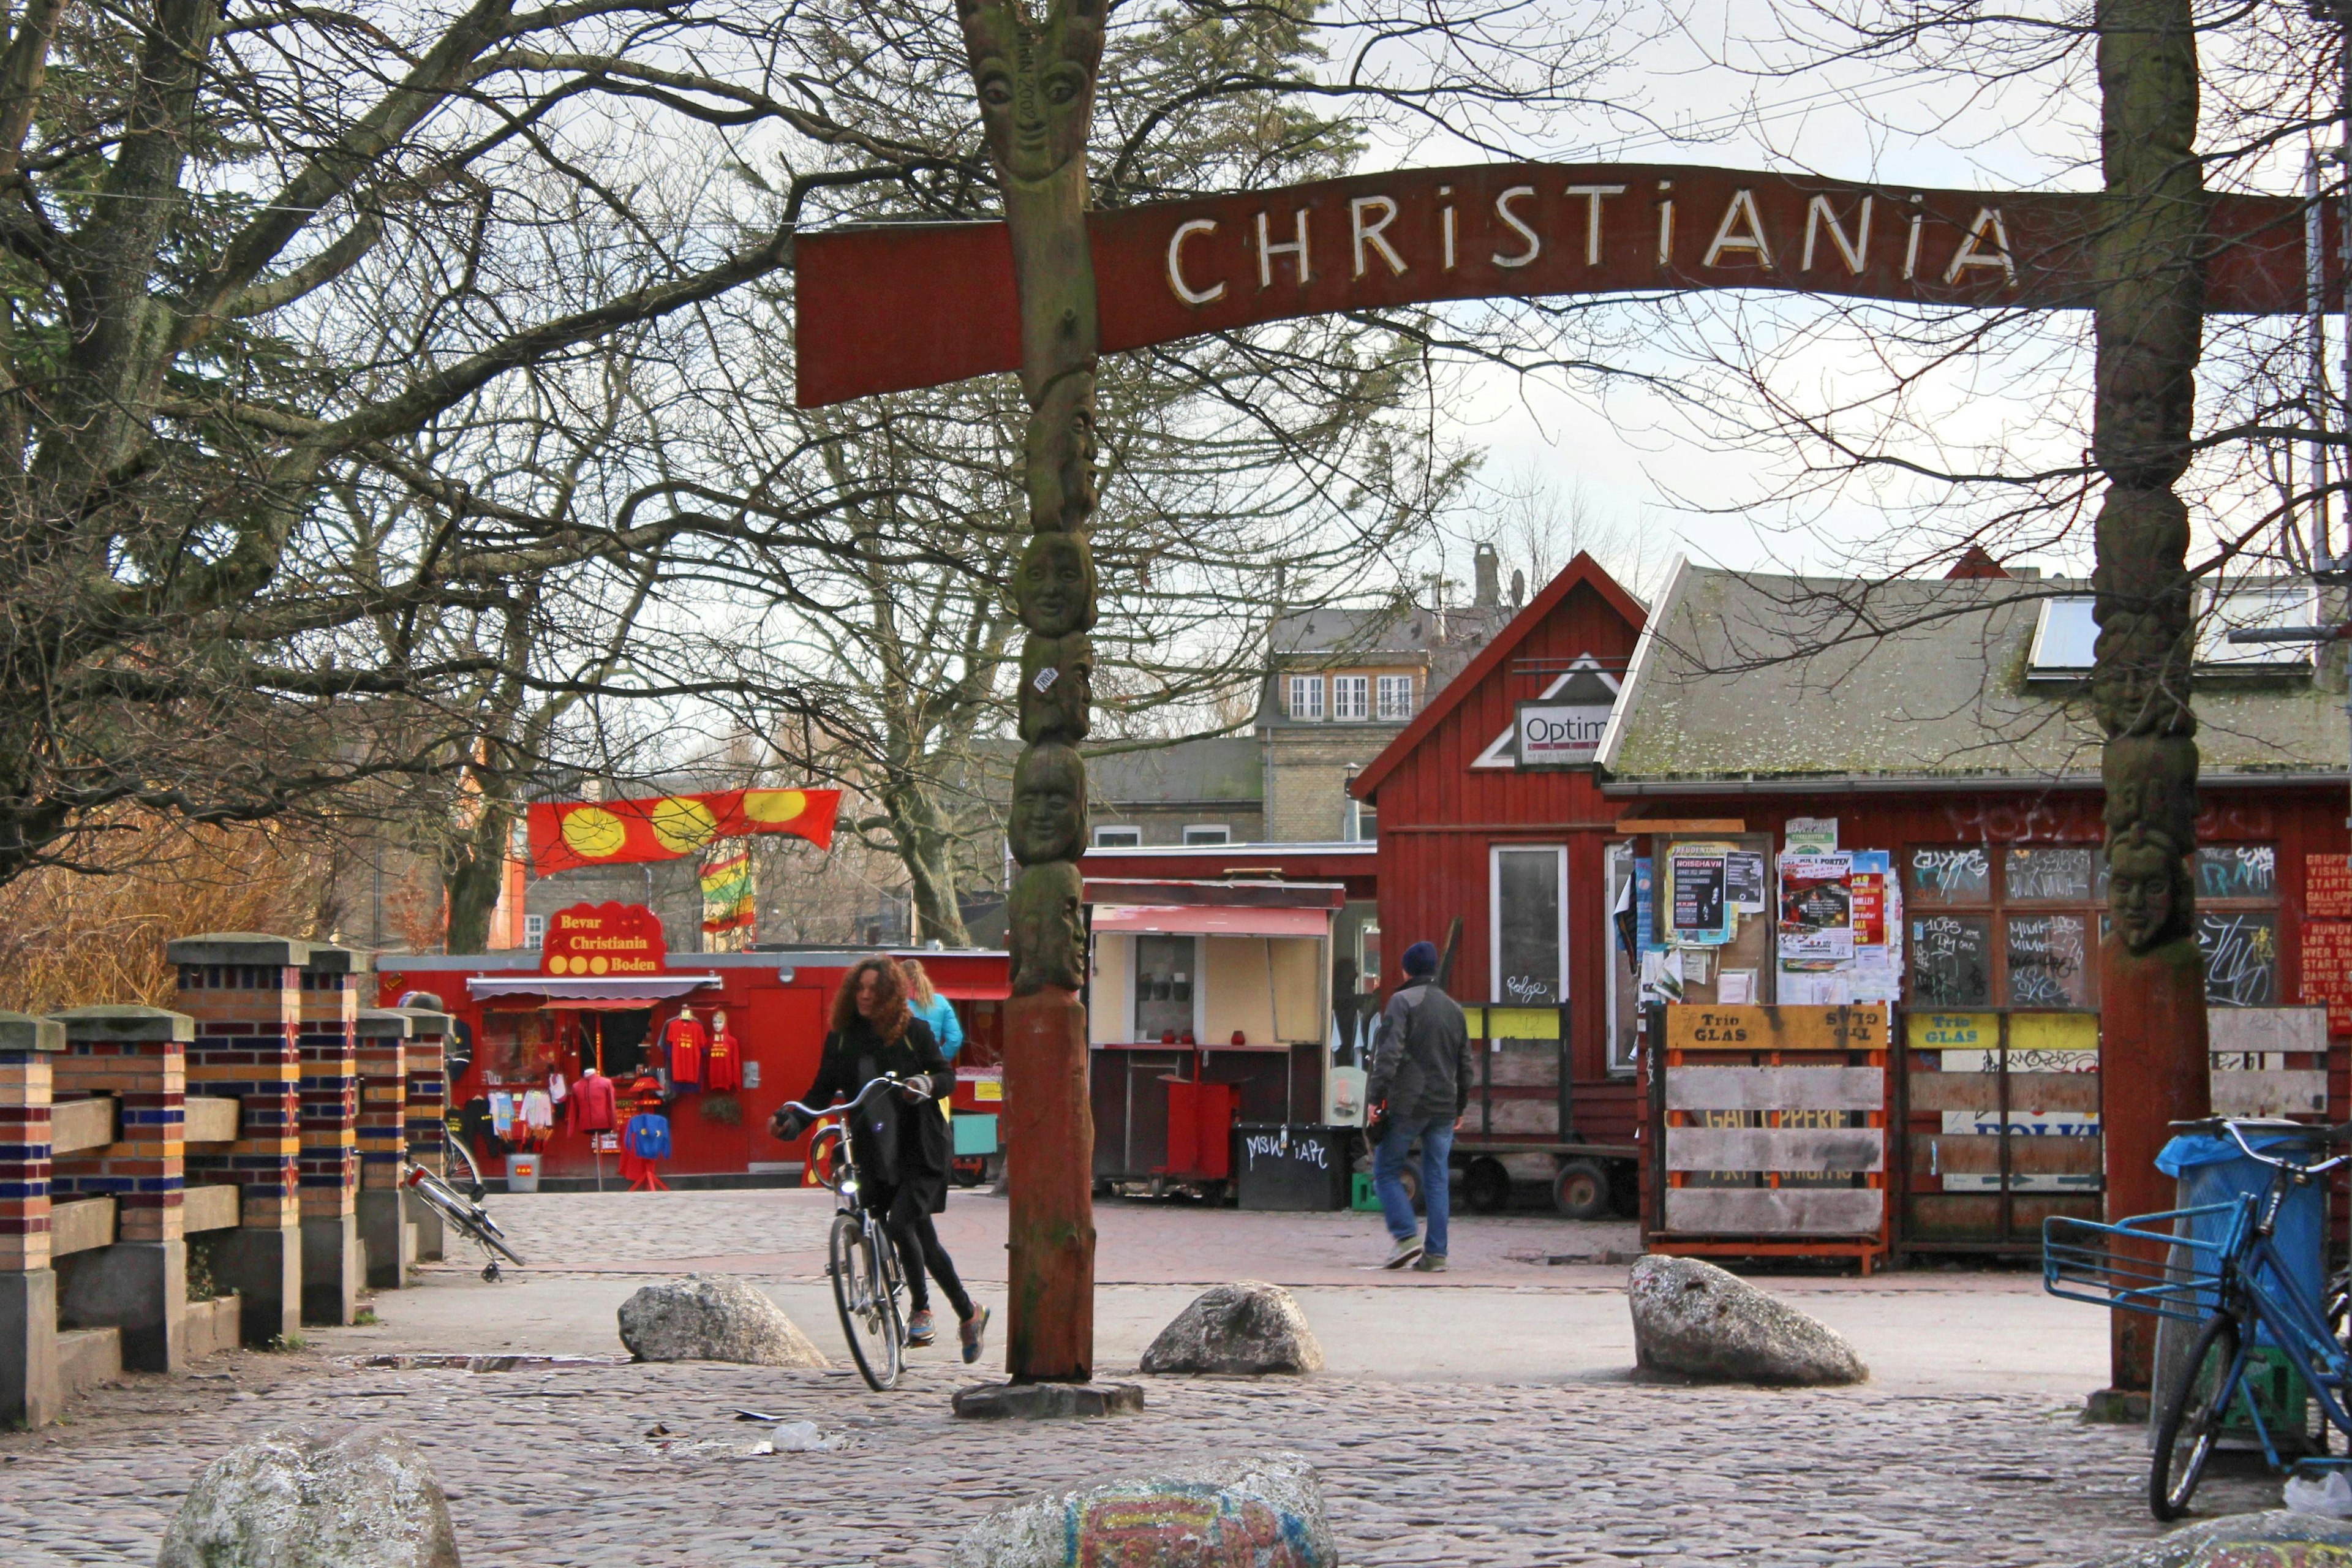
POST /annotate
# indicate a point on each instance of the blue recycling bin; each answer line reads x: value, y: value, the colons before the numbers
x: 2212, y: 1170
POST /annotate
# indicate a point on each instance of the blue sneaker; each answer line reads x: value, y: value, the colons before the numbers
x: 919, y: 1330
x: 975, y: 1329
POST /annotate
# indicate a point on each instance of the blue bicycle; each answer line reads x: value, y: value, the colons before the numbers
x: 2236, y: 1289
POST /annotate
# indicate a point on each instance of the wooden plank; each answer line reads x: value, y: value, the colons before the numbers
x: 212, y: 1119
x: 79, y: 1125
x: 2270, y: 1093
x: 1775, y: 1089
x: 79, y: 1224
x: 1705, y: 1027
x: 211, y: 1207
x: 1775, y: 1211
x: 1776, y: 1149
x: 1979, y: 1153
x: 1682, y: 824
x: 1981, y: 1092
x: 1522, y: 1117
x: 1535, y: 1065
x: 2267, y: 1029
x: 1493, y: 1023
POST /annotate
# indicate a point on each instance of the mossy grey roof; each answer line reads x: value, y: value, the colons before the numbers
x: 1747, y: 677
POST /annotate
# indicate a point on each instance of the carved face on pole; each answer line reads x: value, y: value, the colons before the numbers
x: 1049, y: 805
x: 1036, y: 84
x: 1055, y: 585
x: 2143, y: 888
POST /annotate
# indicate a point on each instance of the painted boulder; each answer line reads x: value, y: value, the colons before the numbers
x: 1265, y: 1511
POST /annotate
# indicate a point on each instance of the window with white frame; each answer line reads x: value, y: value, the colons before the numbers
x: 1527, y: 915
x: 1117, y: 838
x: 1208, y: 833
x: 1307, y: 697
x: 534, y: 930
x: 1351, y: 697
x: 1396, y: 697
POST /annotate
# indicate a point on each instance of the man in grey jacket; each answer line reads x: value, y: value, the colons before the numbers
x: 1421, y: 1077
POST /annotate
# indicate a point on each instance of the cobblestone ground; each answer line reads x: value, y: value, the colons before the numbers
x: 550, y: 1468
x: 555, y: 1468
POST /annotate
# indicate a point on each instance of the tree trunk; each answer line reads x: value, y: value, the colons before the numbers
x: 1036, y: 82
x: 925, y: 850
x: 473, y: 876
x: 2149, y: 323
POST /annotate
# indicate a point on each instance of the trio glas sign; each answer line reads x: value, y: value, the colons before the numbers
x: 1560, y: 734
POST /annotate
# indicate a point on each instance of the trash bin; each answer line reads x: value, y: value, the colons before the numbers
x: 2214, y: 1171
x: 1293, y: 1166
x: 522, y: 1173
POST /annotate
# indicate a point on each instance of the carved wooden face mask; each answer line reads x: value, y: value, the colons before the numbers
x: 1036, y: 84
x: 1056, y: 584
x: 1049, y: 805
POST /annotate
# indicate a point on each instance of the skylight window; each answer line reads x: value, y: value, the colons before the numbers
x: 2064, y: 638
x: 2249, y: 606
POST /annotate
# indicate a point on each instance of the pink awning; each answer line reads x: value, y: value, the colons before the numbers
x: 1210, y: 919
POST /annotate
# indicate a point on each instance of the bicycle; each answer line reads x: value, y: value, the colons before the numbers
x: 462, y: 1210
x: 859, y: 1257
x: 2235, y: 1290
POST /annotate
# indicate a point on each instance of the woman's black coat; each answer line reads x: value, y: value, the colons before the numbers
x: 902, y: 1149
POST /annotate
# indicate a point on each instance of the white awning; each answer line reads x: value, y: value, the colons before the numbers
x: 607, y: 992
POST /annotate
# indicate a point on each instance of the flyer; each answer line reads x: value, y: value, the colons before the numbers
x: 1744, y: 876
x: 1699, y: 910
x: 1817, y: 908
x: 1811, y: 836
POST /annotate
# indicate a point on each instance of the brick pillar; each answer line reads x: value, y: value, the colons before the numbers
x: 384, y: 1231
x: 334, y: 1266
x: 138, y: 1285
x: 244, y: 993
x: 29, y: 1392
x: 429, y: 1106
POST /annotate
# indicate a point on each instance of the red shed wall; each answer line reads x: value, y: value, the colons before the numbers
x: 1438, y: 818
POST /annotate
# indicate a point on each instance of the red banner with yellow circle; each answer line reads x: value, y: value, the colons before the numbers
x: 567, y: 834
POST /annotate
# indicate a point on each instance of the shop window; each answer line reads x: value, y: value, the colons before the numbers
x: 1396, y: 697
x: 2237, y: 924
x: 2002, y: 925
x: 1307, y: 697
x: 1351, y: 697
x: 1164, y: 968
x: 1208, y: 833
x: 1528, y: 916
x: 1117, y: 838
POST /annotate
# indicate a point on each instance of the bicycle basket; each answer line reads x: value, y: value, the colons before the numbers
x: 2148, y: 1263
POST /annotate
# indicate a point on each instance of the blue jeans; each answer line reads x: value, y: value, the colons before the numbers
x: 1436, y: 1136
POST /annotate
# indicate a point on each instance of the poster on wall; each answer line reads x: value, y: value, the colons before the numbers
x: 1699, y: 909
x: 1816, y: 909
x: 1744, y: 883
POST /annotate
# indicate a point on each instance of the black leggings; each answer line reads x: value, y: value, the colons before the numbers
x: 918, y: 1240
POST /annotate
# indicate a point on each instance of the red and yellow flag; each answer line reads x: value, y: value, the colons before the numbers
x: 565, y: 834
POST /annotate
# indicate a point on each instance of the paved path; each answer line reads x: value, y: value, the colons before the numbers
x: 1435, y: 1446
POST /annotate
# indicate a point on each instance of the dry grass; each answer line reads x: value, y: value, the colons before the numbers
x: 70, y: 938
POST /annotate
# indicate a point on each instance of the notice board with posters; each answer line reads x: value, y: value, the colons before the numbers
x: 1709, y: 934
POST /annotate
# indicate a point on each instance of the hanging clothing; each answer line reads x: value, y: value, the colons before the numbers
x: 502, y: 1113
x: 647, y: 1136
x: 722, y: 1063
x: 945, y: 1025
x: 683, y: 1037
x: 538, y: 1110
x: 555, y: 1089
x: 590, y: 1106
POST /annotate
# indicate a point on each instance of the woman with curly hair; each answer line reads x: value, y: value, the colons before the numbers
x: 903, y: 1158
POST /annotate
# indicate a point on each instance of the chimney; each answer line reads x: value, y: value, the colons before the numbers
x: 1489, y: 566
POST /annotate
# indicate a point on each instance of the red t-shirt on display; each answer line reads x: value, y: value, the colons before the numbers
x: 684, y: 1037
x: 723, y: 1064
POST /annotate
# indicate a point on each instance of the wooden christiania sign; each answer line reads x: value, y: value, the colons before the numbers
x: 1702, y: 1026
x: 888, y: 307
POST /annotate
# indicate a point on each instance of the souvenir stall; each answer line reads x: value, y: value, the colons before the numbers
x: 575, y: 1045
x: 1209, y: 1010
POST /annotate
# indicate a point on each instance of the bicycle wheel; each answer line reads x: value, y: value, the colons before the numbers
x: 867, y: 1320
x: 2184, y: 1440
x: 458, y: 1169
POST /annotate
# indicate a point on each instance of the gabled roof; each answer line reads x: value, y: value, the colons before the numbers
x: 1765, y: 682
x: 1584, y: 570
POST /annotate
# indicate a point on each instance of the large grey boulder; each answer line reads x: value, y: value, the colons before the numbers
x: 291, y: 1500
x: 1694, y: 1319
x: 2246, y: 1537
x: 1265, y: 1511
x: 1248, y: 1327
x: 713, y: 1317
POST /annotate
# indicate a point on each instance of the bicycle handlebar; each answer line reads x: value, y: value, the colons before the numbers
x: 2302, y: 1131
x: 886, y: 1080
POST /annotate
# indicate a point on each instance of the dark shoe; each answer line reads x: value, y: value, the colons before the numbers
x: 920, y: 1331
x: 975, y: 1329
x: 1403, y: 1252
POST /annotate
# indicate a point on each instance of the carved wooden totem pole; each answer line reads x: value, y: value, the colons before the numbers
x: 1037, y: 83
x: 2149, y: 323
